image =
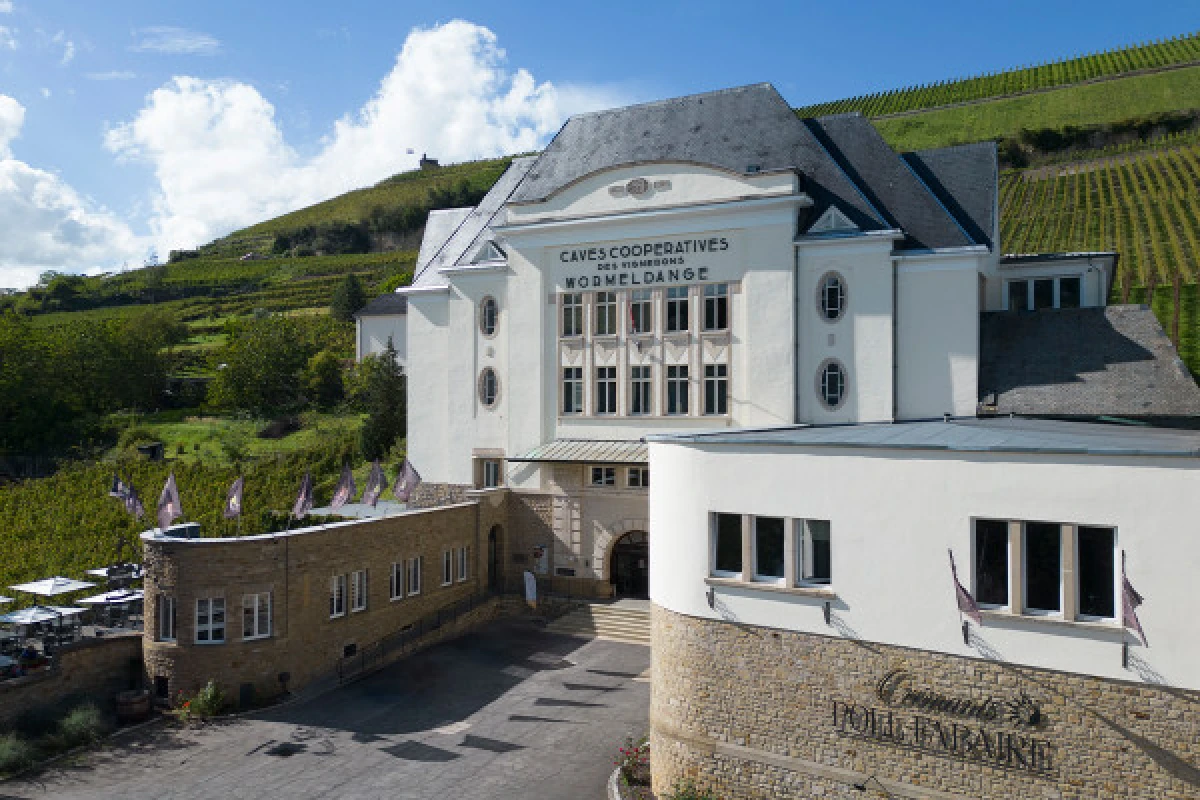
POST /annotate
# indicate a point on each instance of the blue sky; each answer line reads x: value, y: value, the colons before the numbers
x: 153, y: 124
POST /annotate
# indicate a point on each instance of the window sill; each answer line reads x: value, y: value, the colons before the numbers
x: 209, y: 644
x: 358, y: 610
x: 256, y: 638
x: 396, y: 599
x: 821, y: 592
x: 1111, y: 626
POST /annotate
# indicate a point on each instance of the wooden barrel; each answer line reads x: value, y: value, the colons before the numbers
x: 133, y: 705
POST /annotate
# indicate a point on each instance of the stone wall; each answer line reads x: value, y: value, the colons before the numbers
x: 91, y: 669
x: 432, y: 495
x: 296, y: 570
x: 531, y: 518
x: 756, y: 713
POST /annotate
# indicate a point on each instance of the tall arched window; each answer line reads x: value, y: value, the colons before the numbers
x: 487, y: 316
x: 489, y: 387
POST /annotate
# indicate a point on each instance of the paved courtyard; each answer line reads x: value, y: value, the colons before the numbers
x: 508, y: 713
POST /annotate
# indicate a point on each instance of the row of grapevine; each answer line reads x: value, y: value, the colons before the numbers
x: 1182, y: 49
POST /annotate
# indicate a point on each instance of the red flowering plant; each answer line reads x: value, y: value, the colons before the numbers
x: 634, y: 761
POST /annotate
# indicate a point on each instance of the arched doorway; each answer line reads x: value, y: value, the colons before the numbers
x: 629, y: 570
x: 493, y: 559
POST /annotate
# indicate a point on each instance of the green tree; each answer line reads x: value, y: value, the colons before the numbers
x: 259, y: 369
x: 383, y: 395
x: 323, y: 380
x: 348, y: 298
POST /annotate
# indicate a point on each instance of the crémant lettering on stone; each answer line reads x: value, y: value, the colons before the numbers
x: 666, y: 260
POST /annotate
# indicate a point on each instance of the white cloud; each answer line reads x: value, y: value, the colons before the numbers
x: 8, y: 38
x: 177, y: 41
x: 222, y: 162
x: 46, y: 93
x: 47, y: 224
x: 68, y: 54
x: 6, y: 6
x: 112, y: 75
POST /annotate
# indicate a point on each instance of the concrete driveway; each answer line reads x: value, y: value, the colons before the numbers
x: 512, y: 712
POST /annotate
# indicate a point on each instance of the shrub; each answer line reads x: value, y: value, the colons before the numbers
x: 15, y: 753
x: 634, y: 760
x: 82, y: 725
x: 209, y: 701
x: 686, y: 790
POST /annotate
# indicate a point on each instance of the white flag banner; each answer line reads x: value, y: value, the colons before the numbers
x: 530, y: 588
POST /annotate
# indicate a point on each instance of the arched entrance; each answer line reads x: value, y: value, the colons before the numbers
x: 629, y: 570
x: 493, y: 558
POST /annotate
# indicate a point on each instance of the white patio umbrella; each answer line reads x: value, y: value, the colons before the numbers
x: 49, y: 587
x: 102, y: 572
x: 115, y: 597
x: 6, y: 599
x: 66, y: 611
x: 30, y: 616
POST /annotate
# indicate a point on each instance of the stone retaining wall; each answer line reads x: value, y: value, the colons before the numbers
x: 757, y: 713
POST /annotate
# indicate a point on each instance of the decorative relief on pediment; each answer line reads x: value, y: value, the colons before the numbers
x: 716, y: 352
x: 676, y: 352
x: 572, y: 356
x: 605, y: 355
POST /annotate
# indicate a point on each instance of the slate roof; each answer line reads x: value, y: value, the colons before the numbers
x: 995, y: 435
x: 386, y: 305
x: 1114, y: 361
x: 965, y: 178
x: 440, y: 225
x: 588, y: 451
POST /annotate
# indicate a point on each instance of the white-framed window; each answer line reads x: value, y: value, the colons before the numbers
x: 716, y: 389
x: 831, y: 384
x: 991, y: 563
x: 726, y: 545
x: 638, y: 478
x: 1037, y: 294
x: 210, y: 620
x: 488, y: 313
x: 493, y: 474
x: 677, y: 309
x: 605, y: 314
x: 770, y: 534
x: 464, y: 560
x: 604, y: 476
x: 716, y: 307
x: 1043, y: 568
x: 448, y: 567
x: 414, y: 576
x: 166, y: 618
x: 831, y: 296
x: 572, y: 390
x: 1096, y: 572
x: 606, y: 390
x: 677, y: 389
x: 640, y: 391
x: 489, y: 387
x: 396, y: 583
x: 256, y: 615
x: 337, y: 596
x: 572, y: 314
x: 641, y: 318
x: 358, y: 590
x: 814, y: 551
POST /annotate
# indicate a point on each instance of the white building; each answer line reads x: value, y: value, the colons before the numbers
x: 714, y: 262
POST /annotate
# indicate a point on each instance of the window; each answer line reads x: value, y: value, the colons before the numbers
x: 606, y: 390
x: 210, y: 620
x: 358, y: 590
x: 638, y: 478
x: 1096, y: 568
x: 493, y: 476
x: 414, y: 576
x: 639, y: 390
x: 677, y: 309
x: 1017, y: 291
x: 814, y: 552
x: 489, y: 387
x: 1043, y: 293
x: 1070, y: 294
x: 716, y: 389
x: 605, y: 314
x: 572, y: 314
x: 396, y: 584
x: 831, y: 384
x: 727, y: 544
x: 1038, y: 294
x: 463, y: 559
x: 640, y: 319
x: 768, y: 548
x: 1043, y: 567
x: 337, y: 596
x: 677, y: 389
x: 716, y: 307
x: 991, y: 562
x: 831, y: 296
x: 604, y: 476
x: 487, y: 316
x: 572, y: 390
x: 256, y: 615
x: 166, y: 618
x: 447, y: 567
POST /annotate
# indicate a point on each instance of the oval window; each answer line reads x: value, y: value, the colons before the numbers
x: 489, y: 387
x: 831, y: 384
x: 487, y: 316
x: 831, y: 296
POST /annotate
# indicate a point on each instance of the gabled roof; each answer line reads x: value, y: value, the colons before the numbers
x: 386, y: 305
x: 440, y: 225
x: 965, y: 178
x: 1115, y: 361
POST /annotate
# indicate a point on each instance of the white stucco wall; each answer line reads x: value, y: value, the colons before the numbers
x: 373, y: 334
x: 893, y: 515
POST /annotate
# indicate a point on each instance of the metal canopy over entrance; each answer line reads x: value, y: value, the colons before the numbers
x: 588, y: 451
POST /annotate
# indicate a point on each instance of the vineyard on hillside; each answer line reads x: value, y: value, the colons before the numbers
x: 1156, y: 55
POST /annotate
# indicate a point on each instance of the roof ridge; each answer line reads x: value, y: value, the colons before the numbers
x: 671, y: 100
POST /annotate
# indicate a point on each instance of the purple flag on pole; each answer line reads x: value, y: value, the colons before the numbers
x: 304, y: 500
x: 170, y: 508
x: 118, y: 488
x: 966, y: 603
x: 233, y: 501
x: 406, y: 482
x: 345, y: 490
x: 1130, y: 600
x: 376, y: 483
x: 133, y: 503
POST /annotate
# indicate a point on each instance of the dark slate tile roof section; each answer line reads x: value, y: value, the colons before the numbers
x: 386, y: 305
x: 965, y: 178
x: 731, y: 129
x: 439, y: 227
x: 995, y: 435
x: 889, y: 182
x: 1114, y: 361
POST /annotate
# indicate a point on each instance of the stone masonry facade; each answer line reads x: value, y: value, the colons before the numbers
x: 751, y: 712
